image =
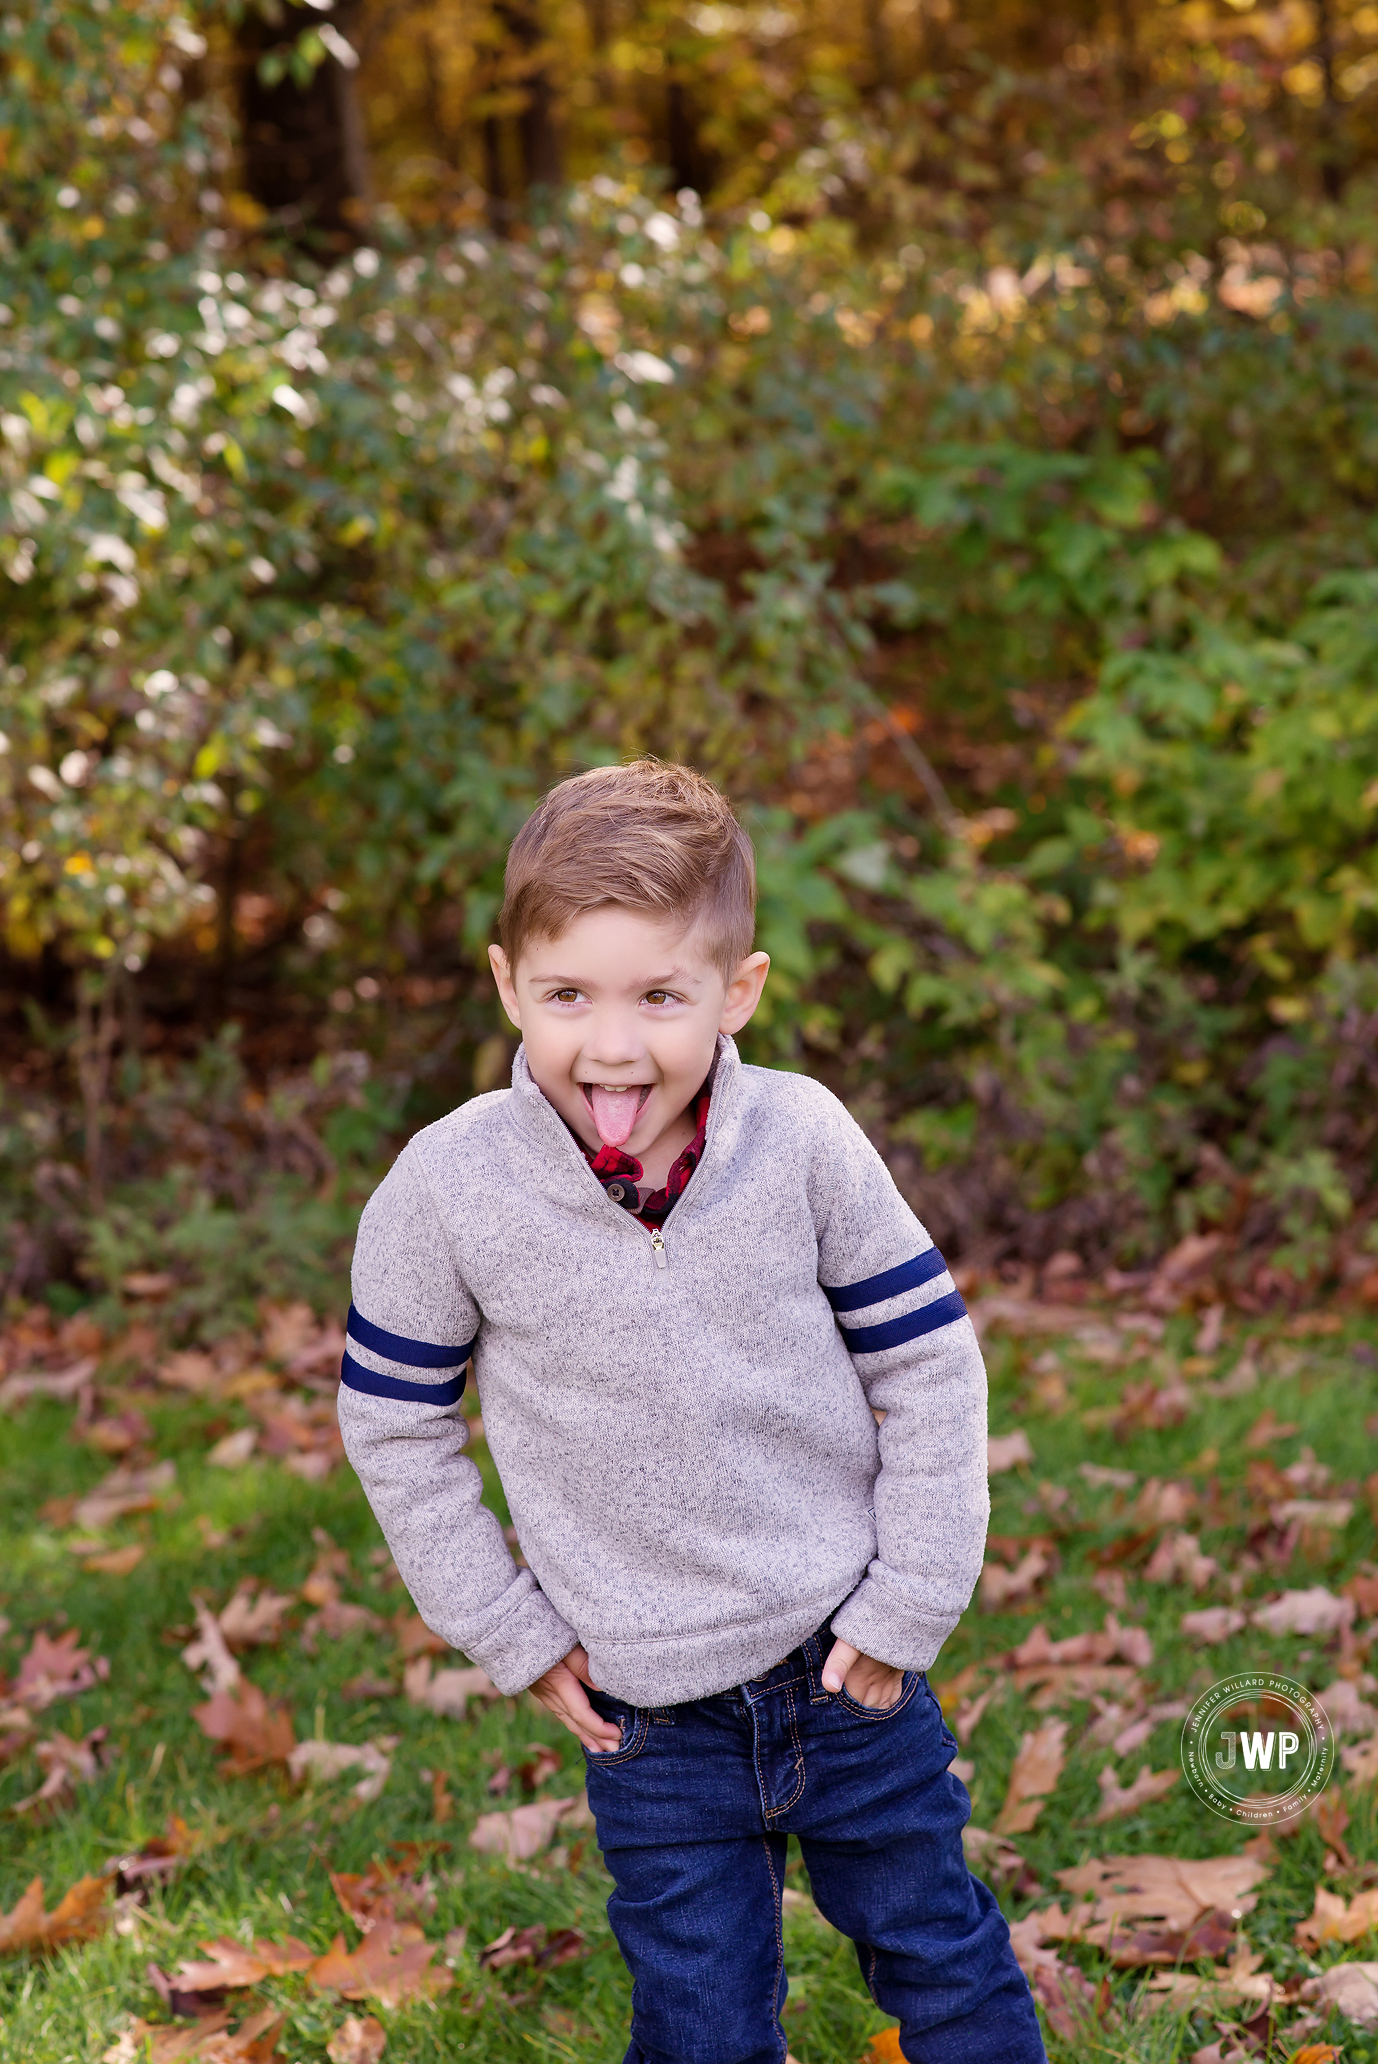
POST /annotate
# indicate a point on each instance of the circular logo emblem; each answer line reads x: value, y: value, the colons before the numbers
x: 1257, y: 1747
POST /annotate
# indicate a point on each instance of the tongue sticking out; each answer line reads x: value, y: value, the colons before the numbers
x: 615, y: 1112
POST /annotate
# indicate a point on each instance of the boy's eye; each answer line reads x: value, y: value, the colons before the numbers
x: 658, y: 996
x: 566, y: 996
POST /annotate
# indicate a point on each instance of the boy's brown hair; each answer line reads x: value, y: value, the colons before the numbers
x: 653, y: 838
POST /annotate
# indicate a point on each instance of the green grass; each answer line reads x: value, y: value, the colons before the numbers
x: 265, y: 1848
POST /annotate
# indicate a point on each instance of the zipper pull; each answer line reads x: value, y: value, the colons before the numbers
x: 658, y: 1246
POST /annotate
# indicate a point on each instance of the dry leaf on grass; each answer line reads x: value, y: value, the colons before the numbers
x: 414, y: 1637
x: 234, y: 1449
x: 211, y: 1652
x: 1361, y: 1760
x: 210, y: 2041
x: 387, y: 1891
x: 1214, y: 1623
x: 1315, y: 1611
x: 1162, y: 1504
x: 254, y: 1733
x: 357, y: 2041
x: 1061, y: 1989
x: 1006, y: 1451
x: 1332, y: 1919
x: 1346, y: 1710
x: 117, y: 1562
x: 391, y: 1964
x: 1156, y: 1909
x: 1178, y: 1559
x: 78, y: 1915
x: 1112, y: 1643
x: 54, y: 1383
x: 1001, y: 1587
x: 1351, y: 1988
x: 326, y: 1760
x: 55, y: 1670
x: 124, y: 1491
x: 1118, y: 1800
x: 1037, y: 1768
x: 66, y: 1764
x: 253, y: 1616
x: 448, y: 1691
x: 527, y: 1830
x: 191, y: 1371
x: 533, y: 1946
x: 230, y: 1964
x: 160, y: 1857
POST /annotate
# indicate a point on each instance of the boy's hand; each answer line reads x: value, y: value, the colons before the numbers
x: 561, y: 1692
x: 870, y: 1683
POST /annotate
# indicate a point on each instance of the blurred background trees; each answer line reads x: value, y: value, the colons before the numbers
x: 954, y: 429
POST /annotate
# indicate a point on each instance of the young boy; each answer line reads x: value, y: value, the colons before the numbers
x: 738, y: 1411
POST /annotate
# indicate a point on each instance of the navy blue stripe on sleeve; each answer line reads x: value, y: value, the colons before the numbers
x: 944, y: 1311
x: 415, y: 1354
x: 375, y: 1384
x: 875, y: 1289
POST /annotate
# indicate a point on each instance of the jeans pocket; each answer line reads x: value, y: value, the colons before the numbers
x: 634, y: 1724
x: 911, y: 1682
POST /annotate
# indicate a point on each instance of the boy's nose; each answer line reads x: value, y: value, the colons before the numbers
x: 614, y: 1043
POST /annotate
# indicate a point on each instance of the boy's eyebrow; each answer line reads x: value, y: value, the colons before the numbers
x: 676, y: 974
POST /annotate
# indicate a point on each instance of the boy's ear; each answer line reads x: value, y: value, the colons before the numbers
x: 744, y: 992
x: 507, y: 988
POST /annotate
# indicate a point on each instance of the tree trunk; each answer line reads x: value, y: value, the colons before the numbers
x: 305, y: 159
x: 542, y: 158
x: 1131, y: 81
x: 1332, y: 146
x: 690, y: 164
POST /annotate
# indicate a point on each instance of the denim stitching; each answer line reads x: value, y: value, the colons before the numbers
x: 845, y: 1699
x: 774, y: 1812
x: 635, y: 1742
x: 779, y: 1941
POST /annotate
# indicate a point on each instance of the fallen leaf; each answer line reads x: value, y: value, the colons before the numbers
x: 336, y: 1619
x: 125, y: 1490
x: 56, y: 1669
x: 368, y: 1687
x: 386, y: 1891
x: 1037, y: 1768
x: 1333, y: 1920
x: 527, y: 1830
x: 1363, y: 1589
x: 1178, y: 1559
x: 532, y: 1946
x: 357, y: 2041
x: 991, y: 1857
x: 118, y: 1562
x: 253, y: 2042
x: 1006, y: 1451
x: 160, y: 1857
x: 1001, y: 1587
x: 1268, y: 1428
x: 55, y: 1383
x: 1101, y: 1477
x: 323, y: 1759
x: 442, y: 1805
x: 1213, y: 1623
x: 1118, y: 1800
x: 118, y: 1432
x: 190, y: 1370
x: 254, y: 1732
x: 211, y: 1652
x: 447, y: 1692
x: 1067, y: 1997
x: 1163, y: 1504
x: 1352, y: 1989
x: 288, y: 1330
x: 234, y: 1450
x: 1110, y: 1643
x: 1316, y: 1611
x: 252, y: 1616
x: 1361, y: 1760
x: 67, y: 1764
x: 230, y: 1964
x: 885, y: 2048
x: 391, y: 1964
x: 77, y: 1916
x: 1156, y: 1909
x: 414, y: 1637
x: 1347, y: 1712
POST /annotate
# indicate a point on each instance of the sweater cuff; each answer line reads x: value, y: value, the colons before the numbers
x: 881, y: 1625
x: 524, y: 1644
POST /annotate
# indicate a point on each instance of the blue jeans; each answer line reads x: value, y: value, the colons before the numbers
x: 693, y: 1811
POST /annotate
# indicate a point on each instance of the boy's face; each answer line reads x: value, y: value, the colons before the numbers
x: 620, y: 1018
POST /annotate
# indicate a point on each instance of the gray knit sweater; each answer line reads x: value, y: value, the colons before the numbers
x: 685, y: 1432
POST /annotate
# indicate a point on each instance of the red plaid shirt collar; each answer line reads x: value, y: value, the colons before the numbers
x: 620, y: 1174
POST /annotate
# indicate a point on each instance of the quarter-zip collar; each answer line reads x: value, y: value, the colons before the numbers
x: 530, y: 1108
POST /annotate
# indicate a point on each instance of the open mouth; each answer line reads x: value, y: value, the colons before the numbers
x: 615, y: 1108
